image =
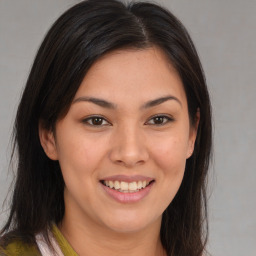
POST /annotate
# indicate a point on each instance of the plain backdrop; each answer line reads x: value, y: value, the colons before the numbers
x: 224, y: 32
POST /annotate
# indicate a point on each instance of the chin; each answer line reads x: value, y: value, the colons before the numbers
x: 131, y: 223
x: 127, y: 228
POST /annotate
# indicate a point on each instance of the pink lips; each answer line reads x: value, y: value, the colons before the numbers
x: 128, y: 197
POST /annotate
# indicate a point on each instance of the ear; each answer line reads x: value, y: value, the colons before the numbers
x: 193, y: 134
x: 48, y: 142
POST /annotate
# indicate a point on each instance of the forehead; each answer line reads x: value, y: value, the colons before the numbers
x: 132, y: 75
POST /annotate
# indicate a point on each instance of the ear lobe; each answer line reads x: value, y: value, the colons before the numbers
x: 193, y: 134
x: 48, y: 143
x: 190, y: 149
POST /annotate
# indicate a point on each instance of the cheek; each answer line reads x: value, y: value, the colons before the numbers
x: 77, y: 151
x: 170, y: 158
x: 170, y: 161
x: 170, y: 155
x: 79, y: 159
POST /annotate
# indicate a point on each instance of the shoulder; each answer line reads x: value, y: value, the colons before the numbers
x: 19, y: 248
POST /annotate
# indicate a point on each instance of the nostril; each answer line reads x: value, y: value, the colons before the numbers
x: 129, y: 154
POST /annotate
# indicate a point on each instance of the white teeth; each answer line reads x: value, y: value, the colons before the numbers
x: 133, y: 186
x: 126, y: 187
x: 117, y: 185
x: 111, y: 184
x: 139, y: 184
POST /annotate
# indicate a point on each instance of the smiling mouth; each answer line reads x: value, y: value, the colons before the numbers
x: 126, y: 187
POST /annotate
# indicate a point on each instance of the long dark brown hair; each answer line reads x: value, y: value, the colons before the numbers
x: 76, y: 40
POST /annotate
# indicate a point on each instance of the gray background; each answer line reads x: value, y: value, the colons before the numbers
x: 224, y: 32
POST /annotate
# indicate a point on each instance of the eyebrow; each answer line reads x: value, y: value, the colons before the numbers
x: 99, y: 102
x: 106, y: 104
x: 159, y: 101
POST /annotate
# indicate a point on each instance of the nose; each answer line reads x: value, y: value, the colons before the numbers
x: 129, y: 147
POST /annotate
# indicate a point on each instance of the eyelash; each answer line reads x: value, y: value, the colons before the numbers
x: 167, y: 119
x: 89, y: 121
x: 103, y: 122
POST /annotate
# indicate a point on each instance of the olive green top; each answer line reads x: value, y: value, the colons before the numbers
x: 65, y: 247
x: 19, y: 248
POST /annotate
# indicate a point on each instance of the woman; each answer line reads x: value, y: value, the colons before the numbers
x: 113, y: 134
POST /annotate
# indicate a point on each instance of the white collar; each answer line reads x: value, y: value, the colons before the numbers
x: 44, y: 247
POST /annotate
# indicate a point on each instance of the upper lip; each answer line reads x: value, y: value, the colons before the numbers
x: 128, y: 178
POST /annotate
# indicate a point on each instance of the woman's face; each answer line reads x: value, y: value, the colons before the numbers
x: 123, y: 144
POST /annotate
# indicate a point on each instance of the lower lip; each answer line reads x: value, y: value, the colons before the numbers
x: 128, y: 197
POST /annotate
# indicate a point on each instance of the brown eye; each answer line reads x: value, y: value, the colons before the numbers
x: 96, y: 121
x: 159, y: 120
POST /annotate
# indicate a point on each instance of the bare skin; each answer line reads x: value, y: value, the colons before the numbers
x: 146, y: 242
x: 129, y: 117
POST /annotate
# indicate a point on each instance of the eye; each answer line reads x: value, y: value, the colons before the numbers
x: 96, y: 121
x: 159, y: 120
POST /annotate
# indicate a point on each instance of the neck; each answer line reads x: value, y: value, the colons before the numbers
x: 88, y: 239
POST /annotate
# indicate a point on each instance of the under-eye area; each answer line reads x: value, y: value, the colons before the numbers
x: 127, y: 187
